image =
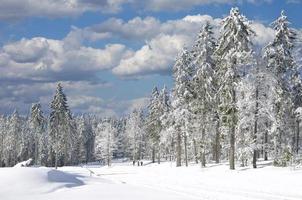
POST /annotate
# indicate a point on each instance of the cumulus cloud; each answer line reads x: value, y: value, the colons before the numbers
x: 137, y: 104
x: 141, y: 29
x: 154, y: 57
x: 41, y: 59
x: 18, y: 9
x: 158, y: 54
x: 30, y: 68
x: 81, y: 96
x: 176, y: 5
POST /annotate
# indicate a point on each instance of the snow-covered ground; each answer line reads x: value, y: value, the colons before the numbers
x: 123, y: 181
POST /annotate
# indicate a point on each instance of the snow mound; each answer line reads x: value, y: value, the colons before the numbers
x: 25, y: 163
x: 27, y: 181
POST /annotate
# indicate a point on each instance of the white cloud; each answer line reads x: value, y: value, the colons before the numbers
x: 176, y: 5
x: 294, y: 1
x: 18, y: 9
x: 137, y: 104
x: 155, y: 57
x: 141, y: 29
x: 30, y: 67
x: 264, y: 34
x: 52, y: 60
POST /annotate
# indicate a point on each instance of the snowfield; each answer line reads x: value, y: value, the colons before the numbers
x: 151, y: 182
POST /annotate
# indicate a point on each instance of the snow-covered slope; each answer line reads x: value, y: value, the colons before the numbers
x: 48, y: 184
x: 151, y: 182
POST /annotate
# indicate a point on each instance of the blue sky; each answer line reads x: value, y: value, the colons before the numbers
x: 108, y: 54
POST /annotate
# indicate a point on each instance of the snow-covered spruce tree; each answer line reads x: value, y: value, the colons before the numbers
x: 203, y: 88
x: 86, y: 140
x: 105, y: 141
x: 62, y: 137
x: 135, y: 135
x: 153, y: 123
x: 26, y: 149
x: 43, y: 148
x: 297, y: 89
x: 12, y: 140
x: 3, y: 131
x: 233, y: 51
x: 181, y: 96
x: 121, y: 138
x: 278, y: 55
x: 166, y: 138
x: 37, y: 128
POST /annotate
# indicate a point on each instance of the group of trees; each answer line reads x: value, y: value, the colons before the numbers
x: 230, y: 101
x: 63, y: 139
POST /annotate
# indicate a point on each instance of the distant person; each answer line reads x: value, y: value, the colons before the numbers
x: 142, y: 163
x: 138, y: 163
x: 133, y: 162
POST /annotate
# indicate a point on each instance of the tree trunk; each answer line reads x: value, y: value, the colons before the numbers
x: 172, y: 150
x: 36, y: 150
x: 195, y: 151
x: 232, y: 134
x: 265, y: 142
x: 202, y: 149
x: 217, y: 143
x: 153, y: 154
x: 232, y: 148
x: 255, y: 130
x: 186, y: 150
x: 298, y: 137
x: 56, y: 151
x: 158, y: 158
x: 56, y: 159
x: 178, y: 149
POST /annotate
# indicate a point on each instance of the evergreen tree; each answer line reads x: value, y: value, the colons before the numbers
x: 12, y: 140
x: 153, y: 123
x: 105, y: 141
x: 203, y: 87
x: 278, y: 55
x: 61, y: 131
x: 135, y: 134
x: 86, y: 138
x: 233, y: 51
x: 37, y: 128
x: 166, y: 138
x: 3, y: 134
x: 182, y: 94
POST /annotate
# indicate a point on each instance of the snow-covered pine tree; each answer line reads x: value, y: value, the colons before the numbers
x: 181, y: 96
x: 37, y: 128
x: 233, y: 51
x: 105, y: 143
x: 121, y: 138
x: 278, y: 55
x: 62, y: 136
x: 203, y: 87
x: 166, y: 138
x: 26, y: 149
x: 153, y: 123
x: 85, y: 137
x: 13, y: 139
x: 297, y: 88
x: 3, y: 131
x: 135, y: 135
x: 43, y: 148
